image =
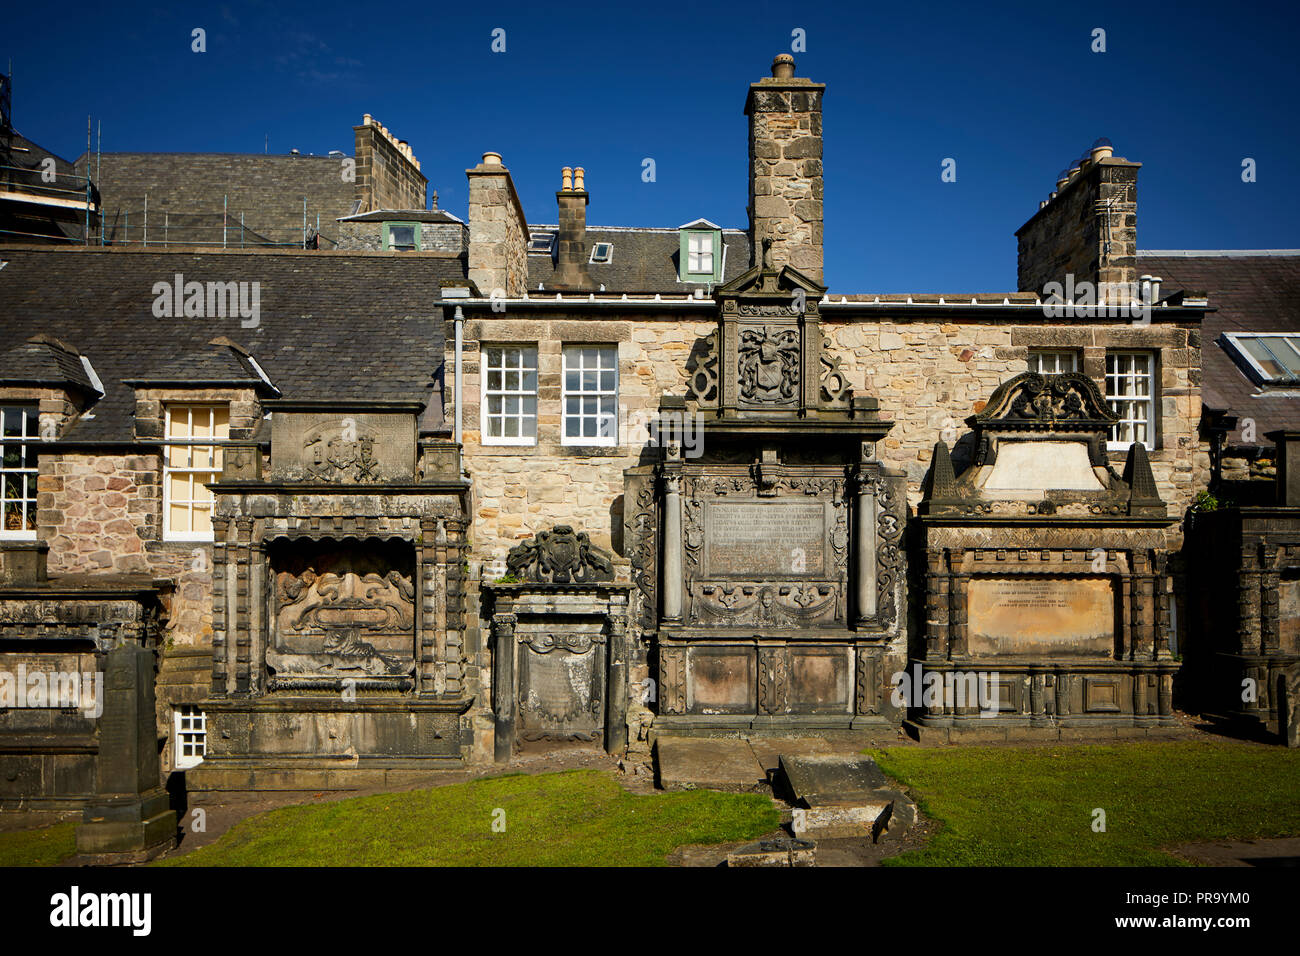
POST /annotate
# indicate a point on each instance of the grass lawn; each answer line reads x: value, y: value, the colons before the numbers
x: 1034, y: 807
x: 578, y: 818
x: 43, y: 847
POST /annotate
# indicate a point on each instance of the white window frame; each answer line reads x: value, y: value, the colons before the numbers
x: 212, y: 468
x: 609, y: 253
x: 190, y: 736
x: 527, y: 363
x: 693, y: 255
x: 1113, y: 398
x: 606, y: 434
x: 1055, y: 355
x: 534, y: 247
x: 27, y: 467
x: 1239, y: 352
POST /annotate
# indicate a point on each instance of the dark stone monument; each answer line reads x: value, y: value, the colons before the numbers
x: 1245, y: 600
x: 560, y: 652
x: 129, y: 819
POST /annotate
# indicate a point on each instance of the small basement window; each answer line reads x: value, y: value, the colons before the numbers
x: 1268, y: 358
x: 190, y: 743
x: 602, y: 252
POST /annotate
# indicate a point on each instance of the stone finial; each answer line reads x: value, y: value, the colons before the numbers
x: 783, y: 66
x: 566, y: 178
x: 943, y: 480
x: 1143, y: 494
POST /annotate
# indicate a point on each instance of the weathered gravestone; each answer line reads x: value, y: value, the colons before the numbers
x: 128, y: 820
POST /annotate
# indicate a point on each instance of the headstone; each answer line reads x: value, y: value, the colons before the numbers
x: 827, y: 779
x: 128, y: 820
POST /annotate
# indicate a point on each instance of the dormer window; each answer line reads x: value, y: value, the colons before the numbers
x: 1267, y: 358
x: 701, y: 252
x: 602, y: 252
x: 402, y: 236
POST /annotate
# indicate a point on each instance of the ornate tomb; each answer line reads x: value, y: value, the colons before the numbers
x: 560, y: 654
x: 1046, y: 592
x: 338, y: 651
x: 769, y: 567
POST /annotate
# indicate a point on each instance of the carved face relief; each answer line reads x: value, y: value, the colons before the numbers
x: 768, y: 365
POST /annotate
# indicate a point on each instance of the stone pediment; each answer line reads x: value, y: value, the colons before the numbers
x: 764, y: 281
x: 1069, y: 402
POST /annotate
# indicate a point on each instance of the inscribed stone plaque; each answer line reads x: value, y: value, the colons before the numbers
x: 765, y: 538
x: 1288, y: 612
x: 1041, y: 616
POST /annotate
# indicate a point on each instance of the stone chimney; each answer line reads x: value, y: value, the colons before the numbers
x: 1087, y: 228
x: 785, y: 169
x: 388, y: 174
x: 498, y: 231
x: 571, y: 241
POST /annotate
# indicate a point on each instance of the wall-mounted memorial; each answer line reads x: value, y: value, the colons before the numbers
x: 1046, y: 592
x: 767, y: 548
x: 560, y: 653
x: 339, y: 655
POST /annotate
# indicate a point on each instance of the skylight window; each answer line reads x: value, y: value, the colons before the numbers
x: 1269, y: 358
x: 602, y: 252
x: 540, y: 243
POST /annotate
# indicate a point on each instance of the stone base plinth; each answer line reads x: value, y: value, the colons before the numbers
x: 127, y: 829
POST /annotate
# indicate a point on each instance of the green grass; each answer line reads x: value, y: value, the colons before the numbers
x: 578, y: 818
x: 1034, y: 807
x: 43, y: 847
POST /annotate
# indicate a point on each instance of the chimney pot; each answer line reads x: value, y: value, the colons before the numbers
x: 491, y: 159
x: 566, y: 178
x: 579, y: 174
x: 366, y: 120
x: 783, y: 66
x: 1101, y: 149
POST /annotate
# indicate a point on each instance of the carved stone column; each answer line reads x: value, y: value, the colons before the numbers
x: 865, y: 543
x: 503, y: 685
x: 220, y: 611
x: 672, y: 547
x: 616, y: 690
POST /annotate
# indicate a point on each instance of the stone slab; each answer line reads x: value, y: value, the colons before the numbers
x: 779, y: 852
x: 769, y: 750
x: 838, y: 821
x: 819, y: 779
x: 1291, y: 722
x: 710, y: 763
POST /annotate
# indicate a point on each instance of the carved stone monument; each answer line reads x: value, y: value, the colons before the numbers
x: 560, y: 652
x: 339, y: 653
x: 1046, y: 592
x: 769, y: 568
x: 129, y: 819
x: 1245, y: 620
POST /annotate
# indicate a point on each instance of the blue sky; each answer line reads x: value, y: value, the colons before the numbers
x: 1012, y: 92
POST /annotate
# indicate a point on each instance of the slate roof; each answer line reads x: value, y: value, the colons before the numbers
x: 644, y: 259
x: 402, y: 215
x: 1253, y: 291
x: 44, y: 360
x: 333, y: 325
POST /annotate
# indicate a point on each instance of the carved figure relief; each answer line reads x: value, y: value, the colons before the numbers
x: 560, y: 556
x: 340, y: 451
